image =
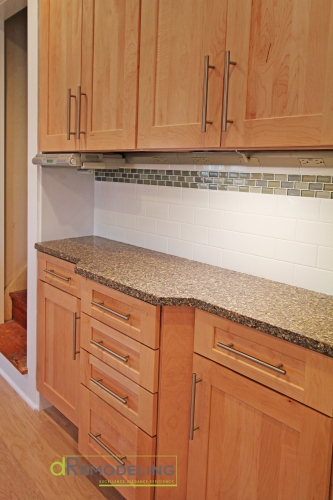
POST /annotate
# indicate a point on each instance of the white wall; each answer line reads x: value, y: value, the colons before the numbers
x: 283, y: 238
x: 67, y: 203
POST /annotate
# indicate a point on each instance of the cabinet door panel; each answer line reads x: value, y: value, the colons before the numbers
x: 110, y: 73
x: 175, y: 37
x: 255, y: 443
x: 60, y: 69
x: 280, y: 89
x: 58, y: 374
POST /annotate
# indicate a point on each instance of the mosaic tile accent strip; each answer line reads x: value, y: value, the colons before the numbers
x: 315, y: 186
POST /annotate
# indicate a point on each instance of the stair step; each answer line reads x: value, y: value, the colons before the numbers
x: 20, y: 307
x: 13, y: 344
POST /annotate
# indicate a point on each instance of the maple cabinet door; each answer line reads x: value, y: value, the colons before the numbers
x: 58, y: 367
x: 110, y: 54
x: 175, y: 38
x: 280, y: 91
x: 253, y: 443
x: 59, y: 70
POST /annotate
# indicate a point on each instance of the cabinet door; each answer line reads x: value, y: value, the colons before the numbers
x: 280, y: 91
x: 58, y: 365
x: 59, y: 70
x: 254, y: 443
x: 110, y: 54
x: 175, y: 38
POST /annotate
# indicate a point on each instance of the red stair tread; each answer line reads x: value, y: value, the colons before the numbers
x: 13, y: 345
x: 19, y: 300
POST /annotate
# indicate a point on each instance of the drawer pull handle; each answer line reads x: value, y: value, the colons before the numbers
x: 227, y: 63
x: 110, y: 452
x: 119, y: 398
x: 204, y: 120
x: 102, y: 306
x: 51, y: 271
x: 195, y: 380
x: 75, y: 352
x: 230, y: 348
x: 101, y: 346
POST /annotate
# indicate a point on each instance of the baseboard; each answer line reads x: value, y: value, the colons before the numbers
x: 16, y: 387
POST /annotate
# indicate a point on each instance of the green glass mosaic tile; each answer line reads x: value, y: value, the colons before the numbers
x: 328, y: 187
x: 309, y: 178
x: 274, y: 184
x: 307, y: 193
x: 324, y: 178
x: 281, y: 177
x: 267, y: 190
x: 268, y: 177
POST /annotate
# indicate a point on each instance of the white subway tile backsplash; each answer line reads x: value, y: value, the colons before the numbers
x: 117, y: 233
x: 208, y: 217
x: 168, y: 228
x: 167, y: 195
x: 157, y: 243
x: 196, y: 234
x: 228, y: 240
x: 241, y: 262
x: 135, y: 207
x: 313, y: 279
x: 223, y: 200
x: 195, y: 198
x: 325, y: 258
x: 283, y: 238
x: 257, y: 245
x: 258, y: 204
x: 297, y: 253
x: 181, y: 213
x: 326, y: 211
x: 274, y: 227
x: 317, y: 233
x: 146, y: 224
x: 157, y: 210
x: 180, y: 248
x: 208, y: 255
x: 242, y: 223
x: 298, y: 208
x: 126, y: 220
x: 270, y: 269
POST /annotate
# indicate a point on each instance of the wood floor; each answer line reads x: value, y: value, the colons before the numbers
x: 30, y: 441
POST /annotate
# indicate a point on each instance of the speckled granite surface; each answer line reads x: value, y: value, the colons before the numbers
x: 294, y: 314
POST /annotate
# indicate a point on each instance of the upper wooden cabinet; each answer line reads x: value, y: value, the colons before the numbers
x: 92, y: 48
x: 175, y: 38
x: 279, y: 95
x: 280, y: 90
x: 60, y: 70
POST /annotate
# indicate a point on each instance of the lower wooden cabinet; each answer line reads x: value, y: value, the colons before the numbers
x: 251, y: 442
x: 58, y: 363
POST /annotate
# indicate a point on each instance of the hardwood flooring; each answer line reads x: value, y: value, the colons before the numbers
x: 30, y: 441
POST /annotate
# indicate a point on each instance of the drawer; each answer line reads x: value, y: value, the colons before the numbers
x: 131, y: 316
x: 59, y: 273
x: 137, y: 361
x: 115, y: 435
x: 127, y: 397
x: 264, y: 358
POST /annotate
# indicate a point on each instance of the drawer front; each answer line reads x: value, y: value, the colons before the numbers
x: 131, y: 316
x: 127, y: 397
x: 265, y: 358
x: 59, y: 273
x: 137, y: 361
x: 120, y: 437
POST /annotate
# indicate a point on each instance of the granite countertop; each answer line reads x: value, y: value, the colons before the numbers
x: 293, y: 314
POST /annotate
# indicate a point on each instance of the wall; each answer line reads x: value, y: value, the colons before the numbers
x: 284, y: 238
x: 16, y: 157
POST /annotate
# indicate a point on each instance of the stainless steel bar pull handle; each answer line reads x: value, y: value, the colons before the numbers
x: 227, y: 63
x: 69, y: 97
x: 78, y: 114
x: 51, y: 271
x: 75, y: 352
x: 230, y: 348
x: 204, y: 121
x: 115, y: 354
x: 119, y: 398
x: 110, y: 452
x: 102, y: 306
x: 193, y: 391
